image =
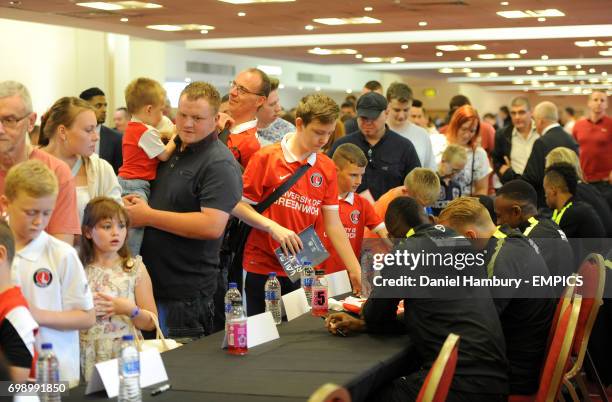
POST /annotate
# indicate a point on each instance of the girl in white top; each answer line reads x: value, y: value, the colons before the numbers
x: 123, y: 294
x: 68, y: 132
x: 463, y: 130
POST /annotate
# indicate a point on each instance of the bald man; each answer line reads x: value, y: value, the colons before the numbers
x: 552, y: 135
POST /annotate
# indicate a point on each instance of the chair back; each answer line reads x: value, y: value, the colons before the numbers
x: 438, y: 381
x: 330, y: 393
x: 558, y: 355
x: 564, y: 301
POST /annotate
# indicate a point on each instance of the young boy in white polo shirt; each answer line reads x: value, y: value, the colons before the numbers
x: 48, y: 270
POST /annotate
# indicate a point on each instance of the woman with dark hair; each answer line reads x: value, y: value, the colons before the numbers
x: 463, y: 130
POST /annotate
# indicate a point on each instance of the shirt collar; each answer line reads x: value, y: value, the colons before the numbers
x: 34, y: 249
x: 549, y: 127
x: 242, y: 127
x: 290, y: 157
x: 198, y: 146
x: 532, y: 131
x: 350, y: 198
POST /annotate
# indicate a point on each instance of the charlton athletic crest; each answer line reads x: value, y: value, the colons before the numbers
x: 42, y: 277
x: 316, y: 179
x: 355, y: 216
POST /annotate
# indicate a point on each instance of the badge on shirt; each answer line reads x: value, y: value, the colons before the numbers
x: 316, y: 179
x: 355, y: 216
x: 42, y: 277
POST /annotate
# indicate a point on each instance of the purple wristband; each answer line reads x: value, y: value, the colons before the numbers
x: 135, y: 312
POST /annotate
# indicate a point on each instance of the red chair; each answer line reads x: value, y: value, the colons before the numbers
x: 557, y: 358
x: 564, y: 301
x: 438, y: 381
x: 330, y: 393
x: 593, y: 274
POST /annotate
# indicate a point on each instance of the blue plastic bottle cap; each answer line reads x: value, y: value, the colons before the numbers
x: 128, y: 337
x: 233, y: 285
x: 46, y: 346
x: 306, y: 261
x: 272, y: 274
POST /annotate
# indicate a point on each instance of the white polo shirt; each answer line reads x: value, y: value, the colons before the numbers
x: 52, y: 277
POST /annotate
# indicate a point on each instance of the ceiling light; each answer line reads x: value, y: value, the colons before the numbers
x: 529, y: 72
x: 118, y: 5
x: 491, y: 56
x: 446, y: 70
x: 473, y: 75
x: 358, y: 56
x: 540, y: 68
x: 551, y: 12
x: 582, y: 72
x: 396, y: 60
x: 544, y: 57
x: 255, y: 1
x: 565, y: 89
x: 241, y: 14
x: 562, y: 68
x: 373, y: 59
x: 518, y: 82
x: 592, y: 43
x: 439, y: 54
x: 349, y: 91
x: 592, y: 70
x: 422, y: 23
x: 593, y: 80
x: 504, y: 3
x: 606, y: 52
x: 392, y: 60
x: 204, y: 31
x: 124, y: 19
x: 493, y: 74
x: 541, y: 19
x: 368, y: 9
x: 545, y: 74
x: 523, y: 51
x: 404, y: 47
x: 511, y: 68
x: 578, y: 66
x: 468, y: 59
x: 455, y: 48
x: 183, y: 27
x: 604, y: 73
x: 326, y: 52
x: 347, y: 21
x: 562, y: 73
x: 309, y: 27
x: 466, y: 70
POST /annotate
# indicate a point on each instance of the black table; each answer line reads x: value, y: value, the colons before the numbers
x: 288, y: 369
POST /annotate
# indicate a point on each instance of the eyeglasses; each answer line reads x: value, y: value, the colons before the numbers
x: 242, y: 90
x: 12, y: 121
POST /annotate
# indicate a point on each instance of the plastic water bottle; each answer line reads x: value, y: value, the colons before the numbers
x: 47, y: 372
x: 129, y: 371
x: 319, y: 295
x: 237, y: 330
x: 273, y: 297
x: 308, y: 278
x: 232, y: 294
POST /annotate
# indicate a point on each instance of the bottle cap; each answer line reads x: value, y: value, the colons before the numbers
x: 319, y: 272
x: 306, y: 261
x: 233, y: 285
x: 272, y: 274
x: 128, y: 337
x: 46, y: 346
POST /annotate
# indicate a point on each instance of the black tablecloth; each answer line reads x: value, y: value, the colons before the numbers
x: 288, y: 369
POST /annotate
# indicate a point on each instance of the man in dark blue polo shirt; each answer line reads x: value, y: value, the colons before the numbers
x: 190, y: 202
x: 391, y: 157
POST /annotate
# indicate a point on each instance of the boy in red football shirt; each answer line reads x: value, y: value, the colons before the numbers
x: 356, y: 212
x: 315, y: 193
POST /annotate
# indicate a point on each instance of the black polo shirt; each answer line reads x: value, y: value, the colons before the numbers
x: 525, y: 316
x: 580, y: 221
x: 389, y: 161
x: 204, y: 174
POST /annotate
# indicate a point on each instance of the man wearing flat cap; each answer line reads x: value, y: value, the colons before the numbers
x: 390, y: 156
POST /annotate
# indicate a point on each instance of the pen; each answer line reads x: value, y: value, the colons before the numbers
x: 161, y: 389
x: 338, y: 330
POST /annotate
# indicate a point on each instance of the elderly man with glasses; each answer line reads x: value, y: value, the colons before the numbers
x: 17, y: 118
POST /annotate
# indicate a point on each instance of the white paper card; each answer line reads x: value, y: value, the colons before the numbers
x: 106, y: 374
x: 338, y: 283
x: 295, y: 304
x: 261, y: 329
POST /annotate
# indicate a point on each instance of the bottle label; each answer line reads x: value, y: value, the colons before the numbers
x: 131, y: 367
x: 308, y: 282
x: 270, y: 295
x: 228, y: 308
x: 237, y: 335
x: 319, y: 299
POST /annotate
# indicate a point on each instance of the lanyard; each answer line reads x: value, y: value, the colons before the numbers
x: 558, y: 215
x: 410, y: 233
x: 499, y: 234
x: 534, y: 223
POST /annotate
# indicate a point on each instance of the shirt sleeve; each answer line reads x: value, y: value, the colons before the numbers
x: 13, y: 346
x: 64, y: 219
x: 221, y: 187
x: 253, y: 179
x: 330, y: 199
x: 482, y: 168
x: 151, y: 143
x: 76, y: 294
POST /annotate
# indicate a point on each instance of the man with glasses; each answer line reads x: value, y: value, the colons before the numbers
x: 248, y: 93
x: 16, y: 120
x: 390, y: 156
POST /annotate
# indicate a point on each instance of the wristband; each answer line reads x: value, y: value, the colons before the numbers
x: 135, y: 312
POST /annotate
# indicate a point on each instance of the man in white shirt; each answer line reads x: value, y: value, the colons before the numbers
x: 418, y: 116
x: 399, y: 98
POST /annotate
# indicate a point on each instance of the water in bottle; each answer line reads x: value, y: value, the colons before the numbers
x: 232, y: 294
x: 308, y: 277
x: 273, y: 297
x: 237, y: 330
x: 47, y: 372
x: 319, y: 295
x: 129, y: 371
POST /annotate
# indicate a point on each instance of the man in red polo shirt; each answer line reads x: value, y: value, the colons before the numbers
x: 313, y: 194
x: 594, y: 136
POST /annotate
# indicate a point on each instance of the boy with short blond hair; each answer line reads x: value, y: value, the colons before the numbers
x: 452, y: 163
x: 48, y: 270
x: 356, y: 213
x: 142, y: 144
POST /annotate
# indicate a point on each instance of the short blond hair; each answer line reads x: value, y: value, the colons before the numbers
x: 317, y: 107
x: 203, y: 90
x: 563, y: 154
x: 464, y: 211
x: 31, y: 177
x: 454, y: 151
x: 424, y: 185
x: 347, y: 154
x: 144, y: 92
